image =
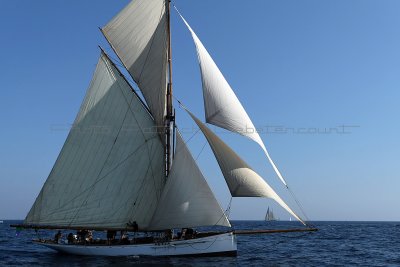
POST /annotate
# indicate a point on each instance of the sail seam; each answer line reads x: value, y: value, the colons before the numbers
x: 48, y: 180
x: 144, y: 136
x: 137, y: 197
x: 107, y: 158
x: 109, y: 68
x: 151, y: 45
x: 91, y: 186
x: 152, y: 216
x: 152, y: 173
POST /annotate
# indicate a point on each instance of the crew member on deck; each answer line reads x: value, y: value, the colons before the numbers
x: 89, y: 237
x: 70, y: 238
x: 124, y: 238
x: 57, y: 237
x: 168, y: 234
x: 110, y: 236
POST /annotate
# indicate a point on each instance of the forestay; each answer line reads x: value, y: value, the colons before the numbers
x: 241, y: 179
x: 110, y: 169
x: 187, y: 200
x: 222, y: 107
x: 139, y: 36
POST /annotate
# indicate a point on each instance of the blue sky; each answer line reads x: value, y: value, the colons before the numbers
x: 302, y: 70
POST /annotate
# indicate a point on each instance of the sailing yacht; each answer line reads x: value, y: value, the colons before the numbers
x: 269, y: 216
x: 138, y: 175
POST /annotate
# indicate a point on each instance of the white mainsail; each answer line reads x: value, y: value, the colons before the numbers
x: 110, y: 170
x: 139, y: 36
x: 187, y: 200
x: 222, y: 107
x: 241, y: 179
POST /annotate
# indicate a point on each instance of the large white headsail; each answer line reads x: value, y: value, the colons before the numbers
x: 139, y: 36
x: 110, y: 169
x: 222, y: 107
x: 241, y: 179
x: 187, y: 200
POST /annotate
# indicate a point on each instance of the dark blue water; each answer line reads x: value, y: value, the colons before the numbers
x: 335, y: 244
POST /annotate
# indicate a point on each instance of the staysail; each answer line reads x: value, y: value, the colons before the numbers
x: 110, y: 169
x: 241, y: 179
x: 139, y: 36
x: 222, y: 107
x: 187, y: 200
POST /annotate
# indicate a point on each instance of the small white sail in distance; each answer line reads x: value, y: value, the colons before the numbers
x: 242, y: 181
x: 222, y: 107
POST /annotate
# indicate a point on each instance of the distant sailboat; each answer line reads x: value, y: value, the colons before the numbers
x: 132, y: 178
x: 269, y: 216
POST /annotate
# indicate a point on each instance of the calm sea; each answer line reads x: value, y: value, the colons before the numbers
x: 335, y: 244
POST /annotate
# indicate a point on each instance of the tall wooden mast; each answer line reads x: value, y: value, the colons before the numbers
x: 170, y: 116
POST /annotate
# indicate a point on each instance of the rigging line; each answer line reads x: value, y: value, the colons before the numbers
x: 118, y: 62
x: 225, y: 213
x: 190, y: 138
x: 298, y: 204
x: 186, y: 142
x: 193, y: 135
x: 228, y: 209
x: 130, y: 108
x: 179, y: 102
x: 205, y: 143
